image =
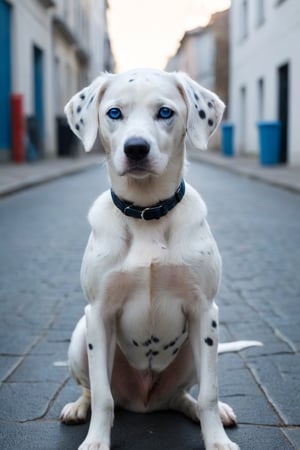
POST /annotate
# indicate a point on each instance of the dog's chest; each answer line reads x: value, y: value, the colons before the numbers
x: 149, y: 279
x: 152, y: 326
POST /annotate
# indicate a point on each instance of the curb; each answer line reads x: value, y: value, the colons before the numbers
x: 47, y: 171
x: 277, y: 176
x: 42, y: 172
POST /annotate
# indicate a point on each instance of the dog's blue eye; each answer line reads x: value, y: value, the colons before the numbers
x: 165, y: 113
x: 115, y: 114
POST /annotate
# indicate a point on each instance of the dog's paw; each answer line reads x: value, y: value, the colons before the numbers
x: 228, y: 445
x: 74, y: 413
x: 217, y: 439
x: 93, y: 445
x: 227, y: 415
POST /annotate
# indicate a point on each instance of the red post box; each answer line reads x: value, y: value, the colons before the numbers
x: 18, y: 128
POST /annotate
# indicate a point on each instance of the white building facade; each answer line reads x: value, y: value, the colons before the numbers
x: 265, y: 73
x: 203, y: 54
x: 51, y: 48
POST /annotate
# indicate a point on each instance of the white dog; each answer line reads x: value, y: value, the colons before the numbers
x: 151, y: 269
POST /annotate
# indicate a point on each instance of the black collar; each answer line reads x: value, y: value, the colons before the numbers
x: 152, y: 212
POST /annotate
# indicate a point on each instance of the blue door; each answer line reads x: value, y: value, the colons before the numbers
x: 5, y: 79
x: 38, y: 92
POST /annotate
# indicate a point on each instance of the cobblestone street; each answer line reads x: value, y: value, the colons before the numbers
x: 43, y: 235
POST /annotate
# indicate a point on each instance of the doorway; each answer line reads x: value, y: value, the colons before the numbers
x: 5, y: 79
x: 38, y: 93
x: 283, y: 109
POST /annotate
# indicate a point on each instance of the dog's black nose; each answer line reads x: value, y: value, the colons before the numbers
x: 136, y: 148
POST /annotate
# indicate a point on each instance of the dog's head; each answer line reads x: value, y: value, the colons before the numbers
x: 143, y: 117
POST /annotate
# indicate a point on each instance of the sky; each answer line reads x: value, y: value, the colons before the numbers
x: 145, y: 33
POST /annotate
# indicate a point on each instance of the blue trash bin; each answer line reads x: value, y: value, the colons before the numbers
x: 227, y: 139
x: 269, y: 142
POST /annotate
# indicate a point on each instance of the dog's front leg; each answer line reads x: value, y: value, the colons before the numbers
x: 204, y: 341
x: 101, y: 348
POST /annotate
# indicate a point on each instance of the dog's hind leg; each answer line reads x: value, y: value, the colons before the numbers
x: 183, y: 402
x: 227, y: 415
x: 77, y: 412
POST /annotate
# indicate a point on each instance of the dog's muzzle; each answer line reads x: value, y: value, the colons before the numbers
x: 136, y: 149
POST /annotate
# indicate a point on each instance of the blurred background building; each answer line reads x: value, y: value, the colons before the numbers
x: 203, y: 53
x: 49, y: 49
x: 249, y: 56
x: 265, y: 72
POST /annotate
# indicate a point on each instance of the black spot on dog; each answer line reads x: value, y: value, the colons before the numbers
x: 210, y: 122
x: 196, y: 96
x: 146, y: 343
x: 91, y: 346
x: 155, y: 339
x: 175, y: 351
x: 209, y: 341
x: 202, y: 114
x: 135, y: 343
x: 214, y: 324
x: 196, y: 106
x: 78, y: 109
x: 149, y: 353
x: 81, y: 121
x: 172, y: 343
x: 77, y: 126
x: 82, y: 96
x: 131, y: 80
x: 166, y: 347
x: 209, y: 104
x: 155, y: 353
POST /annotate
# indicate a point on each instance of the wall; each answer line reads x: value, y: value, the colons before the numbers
x: 258, y: 55
x: 72, y: 35
x: 32, y: 26
x: 203, y: 54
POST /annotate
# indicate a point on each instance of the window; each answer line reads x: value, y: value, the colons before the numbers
x: 278, y: 2
x: 260, y: 99
x: 65, y: 9
x: 69, y: 91
x: 244, y: 19
x: 243, y: 119
x: 260, y: 12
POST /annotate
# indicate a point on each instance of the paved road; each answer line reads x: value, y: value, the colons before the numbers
x: 43, y: 234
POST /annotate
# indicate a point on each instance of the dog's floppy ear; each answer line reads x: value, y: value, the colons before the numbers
x: 82, y: 111
x: 205, y: 110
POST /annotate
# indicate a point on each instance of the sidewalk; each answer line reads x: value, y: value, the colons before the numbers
x: 282, y: 176
x: 15, y: 177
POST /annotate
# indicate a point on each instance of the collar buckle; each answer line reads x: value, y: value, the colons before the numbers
x: 144, y: 212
